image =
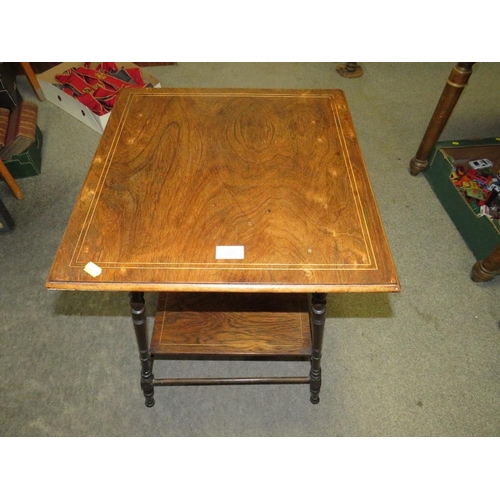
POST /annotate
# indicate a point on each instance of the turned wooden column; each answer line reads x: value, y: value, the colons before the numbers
x: 488, y: 268
x: 318, y: 317
x: 28, y: 71
x: 138, y: 309
x: 454, y: 87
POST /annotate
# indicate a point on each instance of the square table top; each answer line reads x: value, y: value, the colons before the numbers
x: 182, y: 176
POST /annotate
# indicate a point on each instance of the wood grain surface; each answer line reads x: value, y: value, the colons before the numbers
x: 179, y: 172
x: 238, y: 324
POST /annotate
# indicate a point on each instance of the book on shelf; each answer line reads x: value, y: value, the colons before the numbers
x: 21, y: 131
x: 4, y: 123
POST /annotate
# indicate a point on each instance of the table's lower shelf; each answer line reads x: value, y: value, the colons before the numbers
x: 225, y: 324
x: 231, y: 325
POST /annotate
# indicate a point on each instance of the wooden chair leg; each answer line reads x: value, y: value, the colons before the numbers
x: 28, y: 71
x: 10, y: 181
x: 455, y: 84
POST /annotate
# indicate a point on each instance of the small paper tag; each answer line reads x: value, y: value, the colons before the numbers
x: 230, y: 252
x: 93, y: 269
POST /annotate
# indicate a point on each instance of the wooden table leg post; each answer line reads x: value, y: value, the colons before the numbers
x: 454, y: 87
x: 318, y: 318
x: 28, y: 71
x: 138, y: 309
x: 10, y: 181
x: 488, y: 268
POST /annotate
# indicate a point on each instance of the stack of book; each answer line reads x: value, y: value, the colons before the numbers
x: 18, y: 129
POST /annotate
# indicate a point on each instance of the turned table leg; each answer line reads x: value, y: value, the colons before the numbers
x: 454, y: 87
x: 488, y: 268
x: 28, y: 71
x: 318, y: 317
x: 138, y: 309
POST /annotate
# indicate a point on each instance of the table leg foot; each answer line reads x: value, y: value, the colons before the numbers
x: 350, y: 70
x: 488, y: 268
x: 315, y: 388
x: 479, y: 274
x: 138, y: 309
x: 147, y: 387
x: 417, y: 166
x: 318, y: 317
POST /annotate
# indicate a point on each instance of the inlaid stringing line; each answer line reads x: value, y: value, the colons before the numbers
x: 354, y: 188
x: 242, y: 94
x: 178, y: 265
x: 100, y: 185
x: 204, y: 265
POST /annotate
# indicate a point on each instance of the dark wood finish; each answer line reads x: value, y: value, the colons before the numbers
x: 219, y: 324
x: 318, y: 317
x: 163, y: 382
x: 279, y: 172
x: 138, y: 309
x: 488, y: 268
x: 234, y: 326
x: 454, y: 87
x: 10, y: 181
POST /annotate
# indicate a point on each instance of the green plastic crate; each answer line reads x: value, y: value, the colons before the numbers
x: 480, y: 233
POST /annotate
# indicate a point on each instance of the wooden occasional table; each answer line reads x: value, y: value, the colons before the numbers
x: 243, y: 208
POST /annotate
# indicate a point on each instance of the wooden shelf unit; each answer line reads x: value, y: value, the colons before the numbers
x: 231, y: 326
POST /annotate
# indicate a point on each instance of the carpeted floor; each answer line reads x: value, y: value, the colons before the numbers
x: 424, y: 362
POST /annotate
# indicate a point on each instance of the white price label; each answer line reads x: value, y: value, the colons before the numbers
x: 230, y: 252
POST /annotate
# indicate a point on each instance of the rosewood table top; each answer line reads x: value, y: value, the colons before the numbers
x: 227, y: 190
